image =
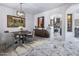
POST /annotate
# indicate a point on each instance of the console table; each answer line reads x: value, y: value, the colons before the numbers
x: 41, y: 33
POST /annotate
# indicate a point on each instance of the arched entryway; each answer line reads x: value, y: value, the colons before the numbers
x: 57, y: 24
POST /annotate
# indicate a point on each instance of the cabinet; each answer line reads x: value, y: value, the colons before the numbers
x: 41, y: 33
x: 76, y: 32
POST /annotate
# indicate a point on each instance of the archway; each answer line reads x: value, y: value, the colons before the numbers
x: 57, y: 24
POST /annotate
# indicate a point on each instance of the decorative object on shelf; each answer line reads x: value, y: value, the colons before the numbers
x: 69, y: 22
x: 14, y: 21
x: 20, y: 12
x: 21, y: 28
x: 36, y: 27
x: 6, y: 31
x: 40, y: 22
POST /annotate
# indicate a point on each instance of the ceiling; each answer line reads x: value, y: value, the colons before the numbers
x: 33, y: 8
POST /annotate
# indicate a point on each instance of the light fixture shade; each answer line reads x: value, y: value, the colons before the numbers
x: 20, y: 12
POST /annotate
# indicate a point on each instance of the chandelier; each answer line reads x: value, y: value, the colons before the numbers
x: 20, y: 12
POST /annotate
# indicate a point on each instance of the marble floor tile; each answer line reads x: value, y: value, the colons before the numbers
x: 40, y: 47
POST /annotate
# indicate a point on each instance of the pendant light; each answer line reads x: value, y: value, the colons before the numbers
x: 20, y: 12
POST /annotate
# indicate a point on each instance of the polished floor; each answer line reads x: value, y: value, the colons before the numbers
x: 39, y: 47
x: 43, y: 47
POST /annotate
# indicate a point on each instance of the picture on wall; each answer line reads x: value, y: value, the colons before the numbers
x: 14, y: 21
x: 69, y: 22
x: 40, y: 22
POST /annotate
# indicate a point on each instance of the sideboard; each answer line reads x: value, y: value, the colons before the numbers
x: 41, y: 33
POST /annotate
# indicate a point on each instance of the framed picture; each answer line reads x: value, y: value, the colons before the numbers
x: 14, y: 21
x: 69, y: 22
x: 40, y: 22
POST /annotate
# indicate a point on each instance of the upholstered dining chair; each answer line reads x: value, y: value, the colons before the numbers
x: 30, y: 36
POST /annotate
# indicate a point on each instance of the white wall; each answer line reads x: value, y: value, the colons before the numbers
x: 74, y: 10
x: 4, y: 11
x: 29, y: 22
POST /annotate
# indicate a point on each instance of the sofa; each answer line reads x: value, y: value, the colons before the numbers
x: 6, y: 40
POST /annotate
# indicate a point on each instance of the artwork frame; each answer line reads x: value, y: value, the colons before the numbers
x: 40, y: 22
x: 14, y: 21
x: 69, y: 22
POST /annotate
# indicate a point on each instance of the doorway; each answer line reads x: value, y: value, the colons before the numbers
x: 57, y: 26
